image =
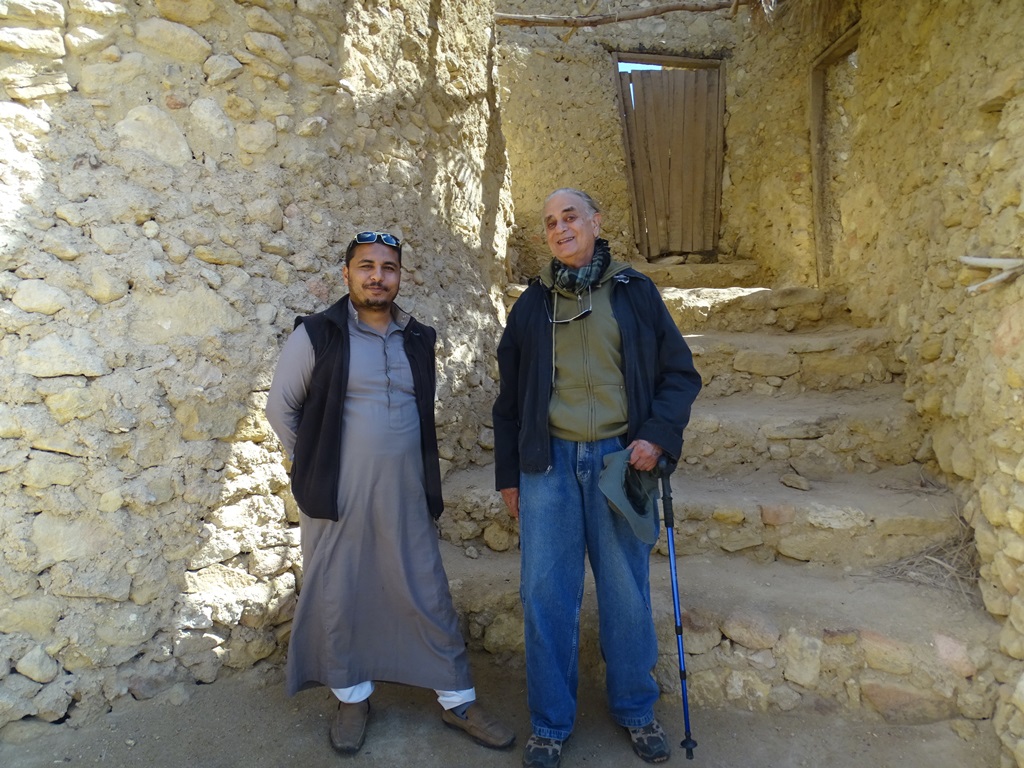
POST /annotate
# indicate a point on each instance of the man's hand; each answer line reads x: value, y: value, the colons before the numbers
x: 511, y: 499
x: 644, y: 457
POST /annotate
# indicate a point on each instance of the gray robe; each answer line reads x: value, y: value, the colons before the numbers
x: 374, y: 602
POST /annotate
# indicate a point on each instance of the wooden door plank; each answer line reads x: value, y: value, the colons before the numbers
x: 653, y: 99
x: 677, y: 150
x: 719, y: 139
x: 647, y: 121
x: 664, y: 137
x: 632, y: 155
x: 689, y: 164
x: 710, y: 162
x: 640, y: 116
x: 700, y: 151
x: 644, y: 188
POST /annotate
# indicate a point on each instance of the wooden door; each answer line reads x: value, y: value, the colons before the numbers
x: 673, y: 125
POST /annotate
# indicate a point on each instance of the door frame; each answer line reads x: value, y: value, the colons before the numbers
x: 671, y: 62
x: 840, y: 49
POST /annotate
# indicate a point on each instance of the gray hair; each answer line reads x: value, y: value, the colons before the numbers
x: 588, y: 201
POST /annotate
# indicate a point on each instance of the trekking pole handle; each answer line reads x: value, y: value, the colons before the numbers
x: 665, y: 468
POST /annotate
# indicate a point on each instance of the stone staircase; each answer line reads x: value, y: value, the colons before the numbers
x: 798, y: 484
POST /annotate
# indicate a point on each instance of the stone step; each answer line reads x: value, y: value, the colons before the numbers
x: 696, y: 310
x: 850, y: 520
x: 771, y: 363
x: 846, y: 520
x: 718, y: 275
x: 818, y: 433
x: 778, y: 636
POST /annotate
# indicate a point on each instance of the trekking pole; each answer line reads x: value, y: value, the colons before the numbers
x: 665, y: 470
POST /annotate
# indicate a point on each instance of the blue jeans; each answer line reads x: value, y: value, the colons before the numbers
x: 562, y: 515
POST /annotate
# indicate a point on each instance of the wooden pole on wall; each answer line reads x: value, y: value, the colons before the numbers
x: 541, y: 20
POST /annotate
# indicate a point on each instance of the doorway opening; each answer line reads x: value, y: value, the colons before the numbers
x: 832, y: 89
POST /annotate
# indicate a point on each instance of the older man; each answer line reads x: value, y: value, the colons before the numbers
x: 591, y: 363
x: 353, y: 403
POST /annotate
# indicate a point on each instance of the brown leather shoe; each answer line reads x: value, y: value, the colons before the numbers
x: 349, y: 727
x: 482, y: 726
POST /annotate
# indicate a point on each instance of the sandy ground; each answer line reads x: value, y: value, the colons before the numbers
x: 246, y: 720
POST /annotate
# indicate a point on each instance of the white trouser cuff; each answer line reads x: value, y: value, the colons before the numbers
x: 355, y: 694
x: 362, y: 691
x: 452, y: 699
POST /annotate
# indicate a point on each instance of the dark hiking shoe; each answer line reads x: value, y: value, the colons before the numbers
x: 650, y: 742
x: 349, y: 727
x: 542, y: 753
x: 484, y: 727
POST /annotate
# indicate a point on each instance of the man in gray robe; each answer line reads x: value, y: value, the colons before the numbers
x: 352, y: 402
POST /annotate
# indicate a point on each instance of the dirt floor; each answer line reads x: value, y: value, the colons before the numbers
x: 246, y: 720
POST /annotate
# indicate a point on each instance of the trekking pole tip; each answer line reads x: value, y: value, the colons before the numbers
x: 689, y: 745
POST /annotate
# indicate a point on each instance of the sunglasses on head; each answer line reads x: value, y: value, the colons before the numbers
x: 365, y: 238
x: 372, y: 237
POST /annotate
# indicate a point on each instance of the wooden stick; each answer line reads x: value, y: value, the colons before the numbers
x: 1011, y: 270
x: 568, y: 35
x: 999, y: 277
x: 541, y: 20
x: 985, y: 261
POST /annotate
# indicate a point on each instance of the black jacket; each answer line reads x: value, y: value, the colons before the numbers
x: 661, y: 382
x: 316, y: 464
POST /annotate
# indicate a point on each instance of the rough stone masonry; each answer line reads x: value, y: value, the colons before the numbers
x: 179, y: 181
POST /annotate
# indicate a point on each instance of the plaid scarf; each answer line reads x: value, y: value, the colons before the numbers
x: 576, y: 281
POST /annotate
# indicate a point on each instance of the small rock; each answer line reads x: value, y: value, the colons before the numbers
x: 37, y: 665
x: 796, y: 481
x: 965, y: 729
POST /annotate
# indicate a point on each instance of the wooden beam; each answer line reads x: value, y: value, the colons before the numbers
x: 541, y: 20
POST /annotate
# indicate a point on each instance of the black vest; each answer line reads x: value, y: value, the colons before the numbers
x: 317, y: 460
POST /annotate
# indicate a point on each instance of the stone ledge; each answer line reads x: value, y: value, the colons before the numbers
x: 855, y: 520
x: 774, y: 637
x: 726, y: 275
x: 751, y: 309
x: 835, y: 432
x: 846, y: 519
x: 770, y: 362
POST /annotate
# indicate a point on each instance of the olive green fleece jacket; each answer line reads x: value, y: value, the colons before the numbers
x: 588, y: 397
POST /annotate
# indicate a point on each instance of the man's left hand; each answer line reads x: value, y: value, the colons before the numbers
x: 645, y: 455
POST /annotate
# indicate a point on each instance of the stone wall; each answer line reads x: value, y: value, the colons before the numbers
x: 930, y: 171
x: 947, y: 128
x: 178, y: 181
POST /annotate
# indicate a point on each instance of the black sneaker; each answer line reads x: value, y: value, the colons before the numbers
x: 542, y: 753
x: 650, y: 742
